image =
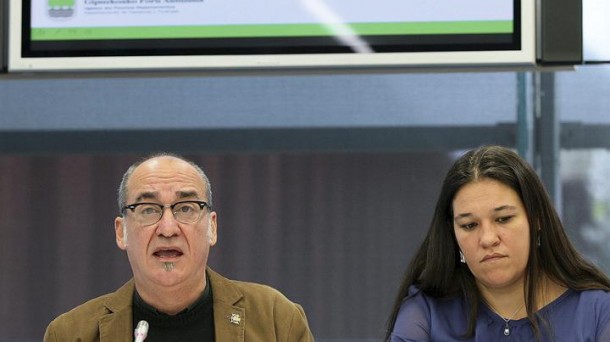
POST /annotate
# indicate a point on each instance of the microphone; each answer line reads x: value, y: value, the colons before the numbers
x: 141, y: 331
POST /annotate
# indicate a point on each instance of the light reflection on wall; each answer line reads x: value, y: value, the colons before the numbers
x: 585, y: 176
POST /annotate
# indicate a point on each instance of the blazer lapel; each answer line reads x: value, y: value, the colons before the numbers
x: 117, y: 325
x: 229, y: 319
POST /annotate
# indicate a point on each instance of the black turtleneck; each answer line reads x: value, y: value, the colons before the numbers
x: 195, y: 323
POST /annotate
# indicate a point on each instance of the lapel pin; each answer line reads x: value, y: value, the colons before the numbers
x: 235, y: 318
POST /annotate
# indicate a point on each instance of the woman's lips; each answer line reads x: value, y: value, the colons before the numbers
x: 492, y: 257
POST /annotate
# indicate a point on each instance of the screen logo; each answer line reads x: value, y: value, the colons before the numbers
x: 61, y: 8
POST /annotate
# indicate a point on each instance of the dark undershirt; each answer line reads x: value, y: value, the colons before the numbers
x: 195, y: 323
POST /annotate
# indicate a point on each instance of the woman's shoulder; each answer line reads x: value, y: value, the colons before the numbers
x: 423, y: 316
x: 591, y: 297
x: 595, y: 300
x: 427, y: 304
x: 594, y: 294
x: 417, y: 291
x: 594, y: 304
x: 581, y: 312
x: 582, y: 300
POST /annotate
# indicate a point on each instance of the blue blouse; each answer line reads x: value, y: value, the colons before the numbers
x: 575, y: 316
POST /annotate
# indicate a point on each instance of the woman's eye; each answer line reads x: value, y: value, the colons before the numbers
x: 468, y: 226
x: 504, y: 219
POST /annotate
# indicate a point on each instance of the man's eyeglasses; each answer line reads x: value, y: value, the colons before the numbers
x: 186, y: 212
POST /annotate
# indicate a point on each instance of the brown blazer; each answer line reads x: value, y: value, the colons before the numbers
x: 242, y: 312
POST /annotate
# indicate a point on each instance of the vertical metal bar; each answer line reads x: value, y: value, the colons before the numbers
x: 546, y: 153
x: 3, y: 36
x: 524, y: 119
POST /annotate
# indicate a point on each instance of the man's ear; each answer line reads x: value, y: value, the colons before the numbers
x: 213, y: 229
x: 120, y: 232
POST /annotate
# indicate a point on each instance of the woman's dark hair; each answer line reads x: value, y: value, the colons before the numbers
x: 435, y: 268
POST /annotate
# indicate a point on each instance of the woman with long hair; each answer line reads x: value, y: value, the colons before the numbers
x: 497, y: 265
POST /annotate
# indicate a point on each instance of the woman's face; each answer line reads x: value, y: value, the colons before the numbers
x: 492, y: 230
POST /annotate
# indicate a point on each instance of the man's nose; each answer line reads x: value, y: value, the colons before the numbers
x: 168, y: 225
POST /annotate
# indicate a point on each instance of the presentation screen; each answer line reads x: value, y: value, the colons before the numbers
x: 216, y: 34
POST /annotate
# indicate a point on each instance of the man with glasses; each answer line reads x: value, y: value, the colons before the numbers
x: 167, y: 226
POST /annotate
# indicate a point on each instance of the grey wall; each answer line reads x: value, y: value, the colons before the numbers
x: 255, y: 101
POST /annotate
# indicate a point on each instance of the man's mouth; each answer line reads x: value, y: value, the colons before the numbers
x: 168, y: 253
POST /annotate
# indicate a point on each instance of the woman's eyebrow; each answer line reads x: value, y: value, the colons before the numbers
x: 505, y: 207
x: 464, y: 215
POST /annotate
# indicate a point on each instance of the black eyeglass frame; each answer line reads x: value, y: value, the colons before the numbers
x: 133, y: 206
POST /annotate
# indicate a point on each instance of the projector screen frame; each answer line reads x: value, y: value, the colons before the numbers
x: 524, y: 57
